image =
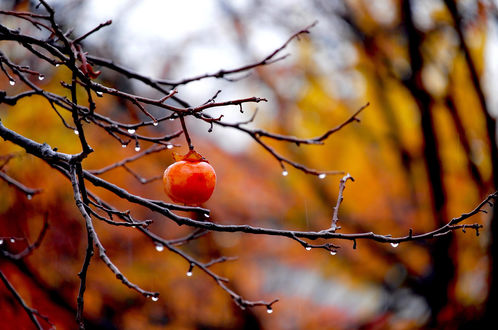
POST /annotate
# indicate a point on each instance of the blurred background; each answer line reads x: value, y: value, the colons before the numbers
x: 424, y: 152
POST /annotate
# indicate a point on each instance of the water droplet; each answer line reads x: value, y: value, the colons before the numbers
x: 131, y: 130
x: 12, y: 82
x: 12, y: 240
x: 333, y: 253
x: 137, y: 148
x: 169, y: 146
x: 29, y: 196
x: 172, y: 119
x: 322, y: 176
x: 76, y: 132
x: 394, y: 244
x: 155, y: 298
x: 285, y: 173
x: 99, y: 93
x: 155, y: 123
x: 189, y: 273
x: 1, y: 241
x: 206, y: 215
x: 41, y: 77
x: 57, y: 65
x: 159, y: 247
x: 269, y: 310
x: 308, y: 248
x: 123, y: 145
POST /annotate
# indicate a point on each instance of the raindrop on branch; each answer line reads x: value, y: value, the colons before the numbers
x: 155, y: 298
x: 169, y: 146
x: 322, y: 176
x: 99, y: 93
x: 41, y: 77
x: 269, y: 310
x: 394, y: 244
x: 285, y: 173
x: 12, y: 240
x: 308, y: 248
x: 206, y: 215
x: 1, y: 241
x: 131, y: 130
x: 137, y: 148
x: 12, y: 82
x: 29, y: 196
x: 123, y: 145
x: 159, y: 247
x: 189, y: 273
x: 155, y: 123
x: 333, y: 253
x: 76, y: 132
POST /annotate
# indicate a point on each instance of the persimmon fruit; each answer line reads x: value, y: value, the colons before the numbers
x: 190, y: 179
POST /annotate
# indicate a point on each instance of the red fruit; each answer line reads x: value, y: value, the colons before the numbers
x: 190, y: 180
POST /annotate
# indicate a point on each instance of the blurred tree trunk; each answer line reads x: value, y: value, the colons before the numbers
x: 436, y: 289
x: 492, y: 302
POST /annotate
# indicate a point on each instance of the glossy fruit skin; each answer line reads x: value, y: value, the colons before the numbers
x: 189, y: 182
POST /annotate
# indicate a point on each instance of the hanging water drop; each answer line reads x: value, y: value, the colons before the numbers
x: 171, y: 119
x: 137, y: 148
x: 155, y: 123
x: 57, y: 65
x: 29, y: 196
x: 155, y: 298
x: 189, y: 273
x: 1, y: 241
x: 206, y: 215
x: 169, y: 146
x: 41, y: 77
x: 322, y: 176
x: 333, y: 253
x: 12, y: 240
x: 159, y: 247
x: 131, y: 130
x: 76, y: 132
x: 269, y: 310
x: 12, y: 82
x: 308, y: 248
x: 123, y: 145
x: 285, y: 173
x: 394, y: 244
x: 99, y: 93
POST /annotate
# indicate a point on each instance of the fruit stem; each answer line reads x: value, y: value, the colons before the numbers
x: 185, y: 132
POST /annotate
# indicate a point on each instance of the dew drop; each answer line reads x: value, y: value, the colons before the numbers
x: 269, y: 310
x: 57, y: 65
x: 123, y: 145
x: 29, y: 196
x: 169, y: 146
x: 137, y: 148
x: 308, y: 248
x: 206, y: 215
x: 159, y: 247
x: 394, y: 245
x: 285, y: 173
x: 99, y: 93
x: 76, y: 132
x: 12, y: 82
x: 1, y: 241
x: 41, y: 77
x: 155, y: 298
x: 322, y: 176
x: 131, y: 130
x: 189, y: 273
x: 172, y: 119
x: 333, y: 253
x: 12, y: 240
x: 155, y: 123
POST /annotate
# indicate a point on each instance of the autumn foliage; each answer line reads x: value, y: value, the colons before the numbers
x: 422, y: 152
